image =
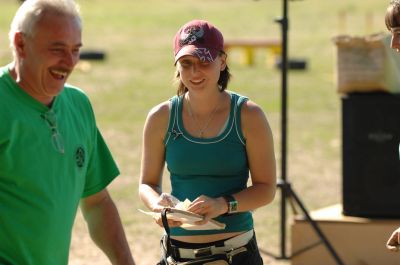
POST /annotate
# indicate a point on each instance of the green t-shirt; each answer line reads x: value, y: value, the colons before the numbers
x: 40, y: 186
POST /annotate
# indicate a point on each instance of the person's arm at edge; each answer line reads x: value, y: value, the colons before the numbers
x: 105, y: 227
x: 393, y: 242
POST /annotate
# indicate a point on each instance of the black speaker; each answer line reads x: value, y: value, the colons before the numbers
x: 371, y: 165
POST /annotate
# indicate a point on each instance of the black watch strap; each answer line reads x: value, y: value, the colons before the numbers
x: 232, y: 204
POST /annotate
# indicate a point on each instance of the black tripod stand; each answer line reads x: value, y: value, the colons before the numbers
x: 287, y: 193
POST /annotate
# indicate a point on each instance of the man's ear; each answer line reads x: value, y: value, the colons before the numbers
x: 19, y: 44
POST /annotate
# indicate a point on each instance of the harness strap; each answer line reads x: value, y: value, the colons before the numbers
x: 165, y: 220
x: 167, y: 242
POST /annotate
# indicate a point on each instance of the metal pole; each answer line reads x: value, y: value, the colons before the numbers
x: 284, y: 25
x: 286, y: 190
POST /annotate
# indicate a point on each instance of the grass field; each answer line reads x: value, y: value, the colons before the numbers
x: 137, y: 39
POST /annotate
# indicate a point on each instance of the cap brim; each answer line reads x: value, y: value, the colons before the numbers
x: 204, y: 54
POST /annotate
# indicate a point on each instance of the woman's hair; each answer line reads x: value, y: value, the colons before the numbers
x: 30, y: 12
x: 392, y: 17
x: 223, y: 80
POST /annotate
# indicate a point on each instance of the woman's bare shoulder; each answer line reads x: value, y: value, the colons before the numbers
x: 160, y: 111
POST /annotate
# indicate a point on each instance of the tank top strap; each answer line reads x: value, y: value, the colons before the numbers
x: 173, y: 130
x: 238, y: 101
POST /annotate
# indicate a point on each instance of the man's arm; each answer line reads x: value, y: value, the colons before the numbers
x: 105, y: 227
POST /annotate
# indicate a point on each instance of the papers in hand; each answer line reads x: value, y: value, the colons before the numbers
x: 188, y: 219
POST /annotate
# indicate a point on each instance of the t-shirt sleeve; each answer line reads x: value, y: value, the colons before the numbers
x: 102, y: 168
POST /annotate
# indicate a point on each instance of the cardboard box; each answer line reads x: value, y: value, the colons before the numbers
x: 357, y: 241
x: 366, y: 63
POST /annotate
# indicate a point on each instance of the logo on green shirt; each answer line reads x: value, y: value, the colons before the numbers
x: 80, y: 156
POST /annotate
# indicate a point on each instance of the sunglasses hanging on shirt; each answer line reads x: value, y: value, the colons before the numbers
x: 56, y: 139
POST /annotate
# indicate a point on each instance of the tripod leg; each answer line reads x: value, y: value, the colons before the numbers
x: 285, y: 195
x: 292, y: 205
x: 316, y: 228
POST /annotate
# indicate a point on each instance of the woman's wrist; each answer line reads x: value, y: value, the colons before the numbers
x: 231, y: 204
x: 224, y: 204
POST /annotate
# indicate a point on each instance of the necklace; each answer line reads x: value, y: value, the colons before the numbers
x: 200, y: 130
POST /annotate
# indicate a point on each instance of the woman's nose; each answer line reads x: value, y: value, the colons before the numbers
x: 195, y: 68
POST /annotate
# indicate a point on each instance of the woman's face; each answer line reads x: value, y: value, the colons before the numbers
x: 199, y: 75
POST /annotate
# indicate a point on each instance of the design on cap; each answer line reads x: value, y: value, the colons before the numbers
x: 203, y: 54
x: 191, y: 34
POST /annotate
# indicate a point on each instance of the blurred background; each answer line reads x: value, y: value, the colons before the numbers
x: 136, y: 74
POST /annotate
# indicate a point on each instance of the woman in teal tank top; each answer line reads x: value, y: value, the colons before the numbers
x: 212, y: 140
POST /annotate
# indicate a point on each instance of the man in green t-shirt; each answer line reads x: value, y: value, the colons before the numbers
x: 52, y: 156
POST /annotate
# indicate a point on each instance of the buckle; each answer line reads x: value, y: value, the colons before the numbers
x: 202, y: 252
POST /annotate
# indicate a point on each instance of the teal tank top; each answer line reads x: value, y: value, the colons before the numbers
x: 211, y: 166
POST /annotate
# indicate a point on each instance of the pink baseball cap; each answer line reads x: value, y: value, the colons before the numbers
x: 198, y: 38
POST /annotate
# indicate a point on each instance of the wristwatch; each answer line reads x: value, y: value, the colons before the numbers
x: 232, y: 204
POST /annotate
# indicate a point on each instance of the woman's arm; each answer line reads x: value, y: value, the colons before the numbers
x: 153, y: 160
x: 261, y: 158
x: 153, y: 155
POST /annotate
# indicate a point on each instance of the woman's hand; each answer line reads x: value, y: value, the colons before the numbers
x: 165, y: 200
x: 208, y: 207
